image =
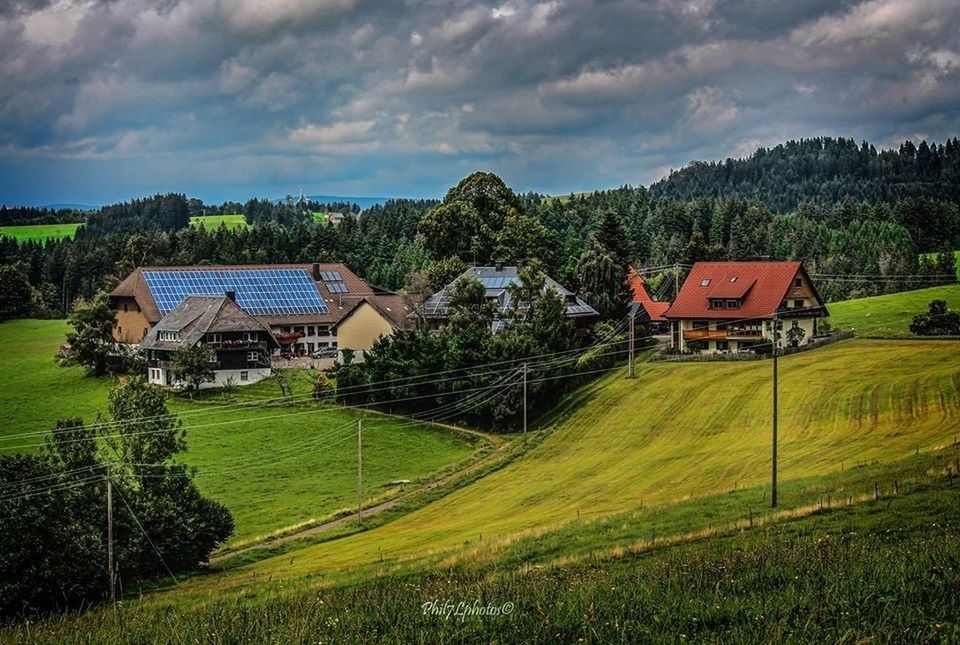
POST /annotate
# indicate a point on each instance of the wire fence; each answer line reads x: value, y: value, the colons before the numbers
x: 749, y: 355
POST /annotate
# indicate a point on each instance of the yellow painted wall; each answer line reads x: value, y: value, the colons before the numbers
x: 131, y: 324
x: 362, y: 328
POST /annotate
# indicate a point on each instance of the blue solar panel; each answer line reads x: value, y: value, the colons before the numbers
x: 496, y: 283
x: 260, y: 292
x: 336, y: 287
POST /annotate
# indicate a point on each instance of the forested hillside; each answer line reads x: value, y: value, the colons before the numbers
x: 824, y: 170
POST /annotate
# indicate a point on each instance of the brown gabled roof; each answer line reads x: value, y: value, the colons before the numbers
x: 199, y: 315
x: 394, y: 307
x: 762, y: 286
x: 134, y: 286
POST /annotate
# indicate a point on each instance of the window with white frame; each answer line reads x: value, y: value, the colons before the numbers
x: 253, y: 357
x: 168, y: 335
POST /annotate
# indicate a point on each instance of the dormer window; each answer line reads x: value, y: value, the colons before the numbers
x: 705, y: 282
x: 168, y: 335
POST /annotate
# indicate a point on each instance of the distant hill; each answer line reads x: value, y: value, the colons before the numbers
x: 73, y: 207
x: 362, y: 202
x: 825, y: 170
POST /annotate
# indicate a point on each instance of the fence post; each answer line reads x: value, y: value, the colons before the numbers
x: 876, y: 491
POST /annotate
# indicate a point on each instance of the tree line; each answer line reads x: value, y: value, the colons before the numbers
x: 20, y: 215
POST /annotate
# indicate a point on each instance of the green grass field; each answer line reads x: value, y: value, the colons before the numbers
x: 889, y: 316
x: 678, y: 431
x: 40, y: 232
x: 874, y: 571
x: 212, y: 222
x: 274, y: 467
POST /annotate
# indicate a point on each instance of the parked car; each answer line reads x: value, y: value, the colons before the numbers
x: 325, y: 352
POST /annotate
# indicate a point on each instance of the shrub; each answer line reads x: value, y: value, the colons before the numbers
x: 938, y: 321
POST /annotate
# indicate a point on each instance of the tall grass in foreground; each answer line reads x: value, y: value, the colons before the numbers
x: 884, y: 571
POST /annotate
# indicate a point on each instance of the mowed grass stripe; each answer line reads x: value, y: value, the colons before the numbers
x: 678, y: 431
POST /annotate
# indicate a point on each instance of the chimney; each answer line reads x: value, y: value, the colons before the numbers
x: 316, y: 271
x: 231, y: 296
x: 499, y: 266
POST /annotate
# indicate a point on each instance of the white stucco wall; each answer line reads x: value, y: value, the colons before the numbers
x: 163, y: 376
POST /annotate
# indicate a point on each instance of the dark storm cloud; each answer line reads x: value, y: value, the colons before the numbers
x: 105, y: 100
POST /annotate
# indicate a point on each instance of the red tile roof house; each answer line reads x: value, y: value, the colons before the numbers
x: 730, y: 306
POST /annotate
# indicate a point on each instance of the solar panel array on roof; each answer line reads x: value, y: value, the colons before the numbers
x: 336, y: 287
x: 496, y: 283
x: 331, y: 276
x: 259, y: 292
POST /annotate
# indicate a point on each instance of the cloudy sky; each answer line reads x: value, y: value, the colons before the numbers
x: 103, y: 100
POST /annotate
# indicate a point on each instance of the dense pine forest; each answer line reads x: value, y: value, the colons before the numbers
x: 823, y: 170
x: 865, y: 222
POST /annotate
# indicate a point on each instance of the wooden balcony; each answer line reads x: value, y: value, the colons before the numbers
x: 721, y: 334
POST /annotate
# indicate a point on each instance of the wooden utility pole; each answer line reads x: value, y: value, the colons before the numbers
x: 676, y: 280
x: 632, y: 336
x: 360, y: 472
x: 524, y: 398
x: 110, y: 575
x: 776, y: 343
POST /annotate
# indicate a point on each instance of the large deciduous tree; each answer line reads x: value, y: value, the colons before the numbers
x: 194, y: 364
x: 91, y: 340
x: 467, y: 222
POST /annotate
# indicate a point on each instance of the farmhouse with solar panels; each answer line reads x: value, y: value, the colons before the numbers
x: 731, y: 306
x: 242, y: 344
x: 306, y: 307
x: 495, y: 280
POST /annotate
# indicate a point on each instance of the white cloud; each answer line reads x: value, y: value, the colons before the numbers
x: 261, y: 16
x: 709, y: 109
x: 342, y: 132
x: 234, y: 76
x: 56, y: 24
x: 871, y: 22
